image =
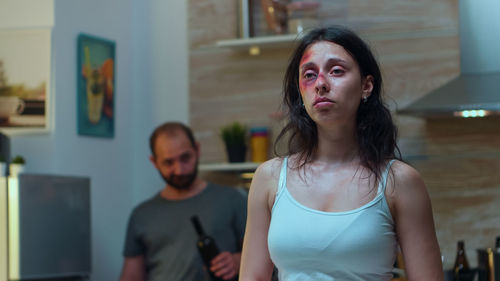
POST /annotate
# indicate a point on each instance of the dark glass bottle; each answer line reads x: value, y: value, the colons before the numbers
x: 206, y: 246
x: 497, y: 244
x: 461, y: 268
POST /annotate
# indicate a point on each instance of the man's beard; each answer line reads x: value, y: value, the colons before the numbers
x: 181, y: 182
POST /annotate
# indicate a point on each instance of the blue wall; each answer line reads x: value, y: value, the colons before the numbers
x: 151, y: 87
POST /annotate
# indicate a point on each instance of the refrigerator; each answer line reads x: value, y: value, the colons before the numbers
x: 44, y: 227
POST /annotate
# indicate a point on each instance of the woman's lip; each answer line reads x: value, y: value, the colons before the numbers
x: 323, y: 103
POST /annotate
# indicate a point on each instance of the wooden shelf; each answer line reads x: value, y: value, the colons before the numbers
x: 263, y: 41
x: 286, y: 39
x: 229, y: 167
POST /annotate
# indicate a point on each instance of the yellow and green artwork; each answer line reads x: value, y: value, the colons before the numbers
x: 96, y: 86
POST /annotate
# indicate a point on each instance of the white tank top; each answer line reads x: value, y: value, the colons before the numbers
x: 308, y: 244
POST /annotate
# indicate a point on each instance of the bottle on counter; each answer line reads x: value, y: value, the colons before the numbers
x: 497, y: 244
x: 206, y: 246
x: 259, y: 143
x: 495, y: 263
x: 462, y: 271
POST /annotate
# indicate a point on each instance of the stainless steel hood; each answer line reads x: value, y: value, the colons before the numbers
x: 469, y: 95
x: 476, y: 91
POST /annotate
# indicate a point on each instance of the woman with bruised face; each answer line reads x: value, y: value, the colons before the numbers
x: 338, y: 204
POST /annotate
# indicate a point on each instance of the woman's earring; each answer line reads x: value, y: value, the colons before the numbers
x: 365, y: 99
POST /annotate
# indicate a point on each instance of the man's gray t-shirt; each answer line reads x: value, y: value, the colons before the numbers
x: 161, y: 231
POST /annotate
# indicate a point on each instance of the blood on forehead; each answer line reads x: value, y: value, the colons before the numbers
x: 307, y: 54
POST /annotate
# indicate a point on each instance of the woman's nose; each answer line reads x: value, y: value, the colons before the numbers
x: 322, y: 85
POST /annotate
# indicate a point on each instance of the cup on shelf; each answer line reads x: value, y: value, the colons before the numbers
x: 10, y: 106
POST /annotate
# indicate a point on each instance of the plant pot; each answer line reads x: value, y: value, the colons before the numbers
x: 15, y: 169
x: 236, y: 152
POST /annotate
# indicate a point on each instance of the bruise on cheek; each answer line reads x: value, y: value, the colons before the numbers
x: 304, y: 84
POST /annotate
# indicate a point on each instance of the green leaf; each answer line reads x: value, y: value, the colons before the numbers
x: 234, y: 133
x: 18, y: 160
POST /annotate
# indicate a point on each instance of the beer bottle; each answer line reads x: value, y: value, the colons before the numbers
x: 461, y: 268
x: 206, y: 246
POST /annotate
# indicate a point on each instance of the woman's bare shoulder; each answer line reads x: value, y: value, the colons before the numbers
x: 405, y: 175
x: 265, y: 182
x: 269, y: 170
x: 404, y: 183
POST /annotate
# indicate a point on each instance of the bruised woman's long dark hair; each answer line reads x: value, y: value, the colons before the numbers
x: 376, y: 132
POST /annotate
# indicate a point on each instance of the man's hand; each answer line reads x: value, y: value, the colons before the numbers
x: 133, y: 269
x: 226, y: 265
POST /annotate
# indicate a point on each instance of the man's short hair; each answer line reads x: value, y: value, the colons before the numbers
x: 170, y: 129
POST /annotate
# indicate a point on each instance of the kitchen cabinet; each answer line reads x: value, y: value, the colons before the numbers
x: 44, y: 227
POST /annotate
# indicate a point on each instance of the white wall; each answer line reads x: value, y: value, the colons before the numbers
x: 26, y: 13
x: 151, y: 87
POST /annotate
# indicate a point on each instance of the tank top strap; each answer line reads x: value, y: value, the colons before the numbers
x: 282, y: 180
x: 383, y: 180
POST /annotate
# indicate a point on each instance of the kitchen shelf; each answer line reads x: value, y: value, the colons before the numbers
x: 262, y: 41
x: 229, y: 167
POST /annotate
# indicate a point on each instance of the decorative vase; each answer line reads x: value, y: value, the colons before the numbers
x: 15, y: 169
x: 236, y: 152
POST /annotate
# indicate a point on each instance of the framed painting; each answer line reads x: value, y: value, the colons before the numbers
x: 25, y: 57
x: 96, y: 86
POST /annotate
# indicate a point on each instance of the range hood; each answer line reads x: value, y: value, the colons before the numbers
x: 476, y: 91
x: 468, y: 95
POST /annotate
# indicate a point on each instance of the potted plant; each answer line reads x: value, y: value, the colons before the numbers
x: 16, y: 165
x: 234, y: 137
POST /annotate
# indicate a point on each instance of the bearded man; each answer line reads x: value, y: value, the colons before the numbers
x: 161, y: 241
